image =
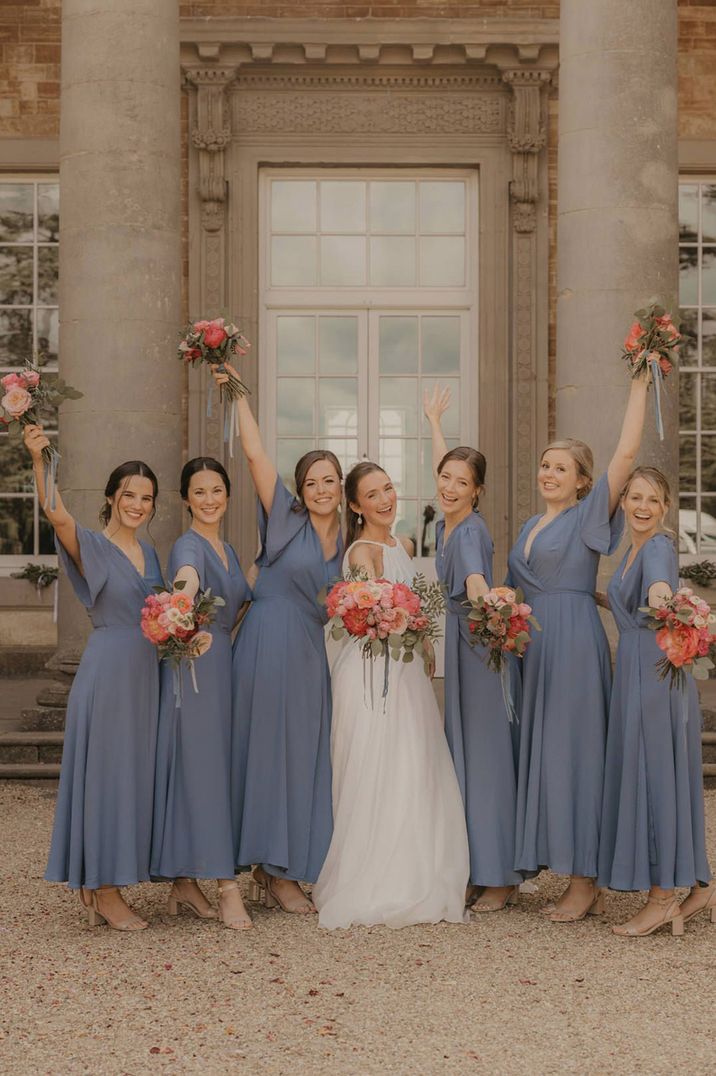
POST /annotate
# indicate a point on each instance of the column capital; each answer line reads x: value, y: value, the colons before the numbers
x: 210, y: 136
x: 526, y: 137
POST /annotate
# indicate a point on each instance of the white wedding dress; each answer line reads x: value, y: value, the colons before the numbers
x: 399, y: 853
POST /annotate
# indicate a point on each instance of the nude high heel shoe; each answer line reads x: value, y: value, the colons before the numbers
x: 709, y: 906
x: 672, y: 914
x: 595, y: 908
x: 175, y: 901
x: 244, y: 922
x: 95, y: 918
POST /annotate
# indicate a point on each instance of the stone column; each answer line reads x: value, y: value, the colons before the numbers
x: 120, y: 262
x: 617, y: 215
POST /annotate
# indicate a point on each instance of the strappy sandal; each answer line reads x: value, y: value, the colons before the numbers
x: 595, y: 907
x: 96, y: 918
x: 243, y: 922
x: 271, y: 898
x: 485, y: 904
x: 175, y: 901
x: 672, y: 914
x: 709, y: 906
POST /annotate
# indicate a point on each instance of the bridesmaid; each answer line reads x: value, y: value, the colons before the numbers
x: 566, y: 671
x: 482, y: 741
x: 281, y: 683
x: 103, y: 819
x: 193, y: 834
x: 653, y: 811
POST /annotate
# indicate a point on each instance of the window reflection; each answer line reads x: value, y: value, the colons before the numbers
x: 293, y: 260
x: 392, y: 261
x: 16, y: 275
x: 293, y: 205
x: 338, y: 406
x: 295, y: 406
x: 398, y: 407
x: 392, y: 207
x: 688, y: 212
x: 338, y: 350
x: 342, y: 206
x: 688, y: 276
x: 398, y: 345
x: 16, y: 212
x: 441, y: 345
x: 442, y: 261
x: 15, y: 336
x: 400, y: 460
x: 442, y: 207
x: 342, y: 260
x: 296, y: 345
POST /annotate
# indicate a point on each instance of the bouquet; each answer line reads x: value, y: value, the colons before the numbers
x: 391, y: 620
x: 652, y: 344
x: 176, y: 625
x: 500, y: 621
x: 25, y: 395
x: 214, y: 342
x: 684, y: 627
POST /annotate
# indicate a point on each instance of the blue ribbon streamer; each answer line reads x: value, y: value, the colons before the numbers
x: 507, y: 691
x: 50, y: 473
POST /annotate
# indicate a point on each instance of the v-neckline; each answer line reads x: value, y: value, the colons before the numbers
x: 627, y: 569
x: 215, y: 551
x: 542, y: 530
x: 142, y: 575
x: 455, y: 528
x: 326, y: 560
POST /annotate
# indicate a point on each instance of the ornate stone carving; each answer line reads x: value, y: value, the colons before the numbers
x: 210, y: 136
x: 376, y: 112
x: 526, y: 136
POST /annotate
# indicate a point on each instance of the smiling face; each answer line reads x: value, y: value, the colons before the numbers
x: 558, y: 478
x: 207, y: 497
x: 376, y: 499
x: 133, y: 503
x: 644, y: 508
x: 321, y: 490
x: 457, y: 491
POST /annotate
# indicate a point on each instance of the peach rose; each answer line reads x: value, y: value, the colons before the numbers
x: 16, y: 402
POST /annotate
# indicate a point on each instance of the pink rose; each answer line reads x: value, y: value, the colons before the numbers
x: 16, y: 402
x: 13, y: 381
x: 199, y: 326
x: 215, y: 333
x: 32, y: 378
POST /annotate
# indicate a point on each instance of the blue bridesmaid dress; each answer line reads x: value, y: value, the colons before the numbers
x: 482, y: 740
x: 653, y: 812
x: 103, y: 818
x: 566, y: 678
x: 193, y: 833
x: 281, y: 790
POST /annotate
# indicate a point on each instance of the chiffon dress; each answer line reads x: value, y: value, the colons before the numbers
x: 653, y: 812
x: 193, y: 830
x: 281, y: 764
x: 399, y: 853
x: 566, y: 679
x: 103, y: 819
x: 483, y: 742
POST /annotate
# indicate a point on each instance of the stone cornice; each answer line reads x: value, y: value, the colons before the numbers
x: 502, y: 43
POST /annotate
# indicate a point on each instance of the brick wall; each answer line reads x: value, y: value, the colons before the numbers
x: 697, y: 69
x: 30, y: 68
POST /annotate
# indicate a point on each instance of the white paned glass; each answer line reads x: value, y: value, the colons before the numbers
x: 688, y: 276
x: 708, y: 463
x: 442, y: 261
x: 17, y: 212
x: 296, y: 345
x: 392, y: 261
x: 342, y: 260
x: 708, y: 337
x: 346, y: 449
x: 295, y: 406
x: 451, y: 418
x: 48, y: 334
x: 398, y: 345
x: 688, y: 212
x: 392, y: 207
x: 689, y: 329
x: 400, y: 459
x: 442, y: 208
x: 338, y: 348
x: 293, y: 205
x: 406, y: 521
x: 48, y: 212
x: 293, y: 260
x: 342, y: 206
x: 338, y: 406
x: 15, y: 336
x: 687, y: 462
x: 288, y: 452
x: 16, y: 276
x: 47, y: 273
x: 708, y: 277
x: 398, y: 406
x: 708, y: 213
x: 441, y: 345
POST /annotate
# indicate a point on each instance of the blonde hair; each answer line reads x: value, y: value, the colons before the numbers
x: 583, y: 460
x: 659, y: 482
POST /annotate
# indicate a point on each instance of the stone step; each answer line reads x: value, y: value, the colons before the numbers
x: 31, y: 747
x: 29, y: 771
x: 25, y: 661
x: 709, y: 717
x: 43, y: 719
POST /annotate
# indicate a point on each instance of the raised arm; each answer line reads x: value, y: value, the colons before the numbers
x: 63, y: 523
x: 262, y: 469
x: 624, y: 459
x: 435, y: 404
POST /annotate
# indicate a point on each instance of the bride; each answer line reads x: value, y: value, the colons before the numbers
x: 399, y: 852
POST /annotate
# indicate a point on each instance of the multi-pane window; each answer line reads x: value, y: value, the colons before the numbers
x: 697, y: 380
x: 368, y: 302
x: 29, y: 234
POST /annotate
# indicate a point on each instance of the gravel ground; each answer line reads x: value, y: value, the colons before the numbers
x: 506, y: 994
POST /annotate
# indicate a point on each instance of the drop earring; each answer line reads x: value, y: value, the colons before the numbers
x: 360, y: 520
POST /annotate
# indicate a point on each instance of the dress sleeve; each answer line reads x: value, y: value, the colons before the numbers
x: 468, y: 557
x: 600, y: 533
x: 187, y: 552
x: 280, y: 526
x: 95, y: 565
x: 658, y: 564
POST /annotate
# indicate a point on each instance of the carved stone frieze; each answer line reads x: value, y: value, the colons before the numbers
x: 376, y: 112
x: 210, y: 136
x: 526, y: 137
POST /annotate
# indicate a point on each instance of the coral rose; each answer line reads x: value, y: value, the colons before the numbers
x: 215, y: 333
x: 680, y: 644
x: 16, y: 402
x: 181, y: 602
x: 633, y: 340
x: 356, y: 621
x: 152, y: 630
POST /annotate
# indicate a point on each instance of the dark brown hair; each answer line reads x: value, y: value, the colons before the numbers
x: 127, y: 470
x: 474, y: 460
x: 201, y: 463
x: 304, y: 466
x: 353, y: 480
